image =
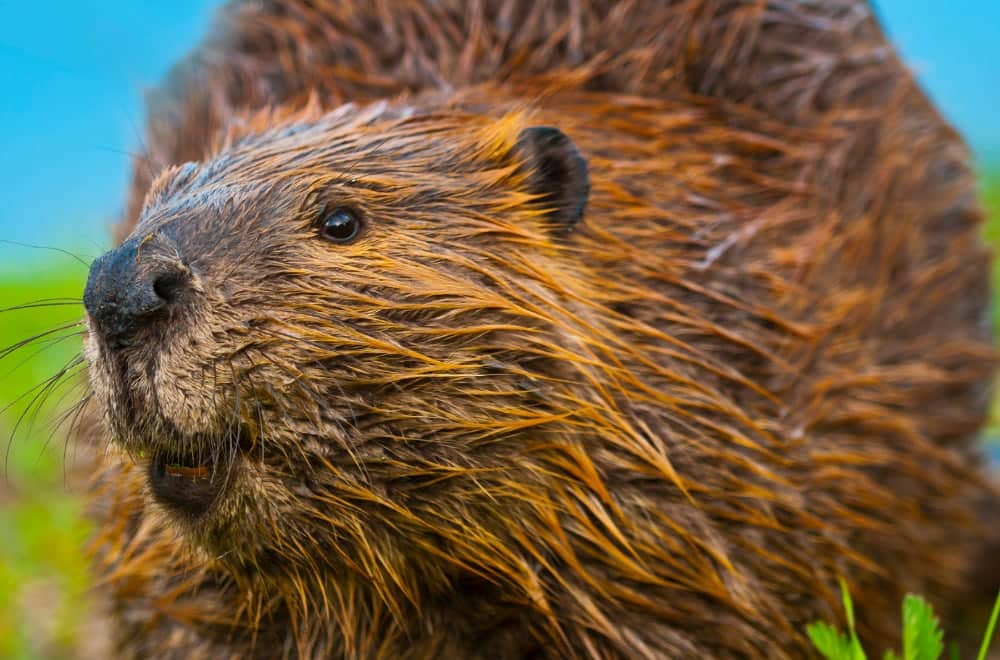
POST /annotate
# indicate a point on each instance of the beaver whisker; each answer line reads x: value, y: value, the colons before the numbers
x: 44, y: 302
x: 145, y: 156
x: 16, y: 346
x: 42, y: 386
x: 47, y: 344
x: 37, y: 401
x: 75, y: 415
x: 75, y: 384
x: 83, y: 262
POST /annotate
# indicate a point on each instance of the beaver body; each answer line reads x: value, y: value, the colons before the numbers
x: 604, y: 338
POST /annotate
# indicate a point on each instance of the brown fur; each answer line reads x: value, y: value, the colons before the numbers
x: 758, y: 364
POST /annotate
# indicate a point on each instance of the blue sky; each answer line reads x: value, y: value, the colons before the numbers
x: 73, y: 74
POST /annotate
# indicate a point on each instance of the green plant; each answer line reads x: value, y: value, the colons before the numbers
x: 923, y: 638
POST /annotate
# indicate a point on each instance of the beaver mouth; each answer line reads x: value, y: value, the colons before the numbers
x: 188, y: 483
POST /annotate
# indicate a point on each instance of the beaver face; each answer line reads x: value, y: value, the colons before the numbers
x: 332, y: 322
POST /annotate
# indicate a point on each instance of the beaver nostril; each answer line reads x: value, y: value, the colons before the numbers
x: 168, y: 286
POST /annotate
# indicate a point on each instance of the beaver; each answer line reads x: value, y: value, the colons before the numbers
x: 566, y: 348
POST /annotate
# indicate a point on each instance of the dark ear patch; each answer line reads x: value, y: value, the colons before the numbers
x: 557, y: 173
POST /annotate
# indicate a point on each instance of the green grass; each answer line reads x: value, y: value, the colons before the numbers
x: 43, y: 575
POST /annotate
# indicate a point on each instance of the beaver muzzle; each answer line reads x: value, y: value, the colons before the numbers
x: 131, y: 294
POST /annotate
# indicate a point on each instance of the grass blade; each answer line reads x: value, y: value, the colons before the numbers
x: 988, y: 637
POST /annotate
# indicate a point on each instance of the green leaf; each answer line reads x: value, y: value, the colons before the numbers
x: 857, y: 652
x: 830, y: 643
x: 922, y: 636
x: 845, y: 595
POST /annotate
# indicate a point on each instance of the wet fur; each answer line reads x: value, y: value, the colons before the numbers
x: 758, y: 363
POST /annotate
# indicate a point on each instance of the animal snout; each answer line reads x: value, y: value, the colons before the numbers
x: 131, y: 285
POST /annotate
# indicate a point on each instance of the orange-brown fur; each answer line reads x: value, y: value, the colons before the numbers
x: 758, y: 364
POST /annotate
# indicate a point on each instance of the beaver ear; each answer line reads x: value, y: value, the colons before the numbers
x: 556, y: 172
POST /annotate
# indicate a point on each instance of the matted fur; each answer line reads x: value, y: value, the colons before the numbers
x: 757, y: 365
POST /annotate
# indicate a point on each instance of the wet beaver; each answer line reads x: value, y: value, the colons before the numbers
x: 587, y: 360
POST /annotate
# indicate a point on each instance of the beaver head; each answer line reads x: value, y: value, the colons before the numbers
x: 334, y: 332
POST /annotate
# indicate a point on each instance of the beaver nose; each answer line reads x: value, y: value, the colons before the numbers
x: 125, y: 289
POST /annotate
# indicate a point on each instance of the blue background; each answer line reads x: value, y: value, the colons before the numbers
x: 73, y: 72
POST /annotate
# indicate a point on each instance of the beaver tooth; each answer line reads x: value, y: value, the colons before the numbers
x: 178, y: 470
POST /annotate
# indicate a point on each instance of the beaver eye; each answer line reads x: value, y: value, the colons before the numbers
x: 341, y: 225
